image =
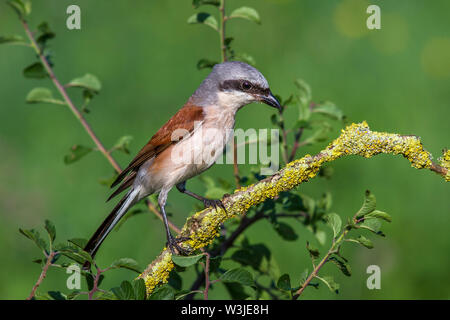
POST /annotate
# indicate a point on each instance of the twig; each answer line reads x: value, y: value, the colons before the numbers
x: 284, y: 147
x: 237, y: 177
x: 223, y: 51
x: 96, y: 281
x: 223, y: 19
x: 321, y: 263
x: 298, y: 136
x: 43, y: 274
x: 207, y: 282
x: 296, y: 145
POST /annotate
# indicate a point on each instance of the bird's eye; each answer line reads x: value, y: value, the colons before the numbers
x: 246, y: 85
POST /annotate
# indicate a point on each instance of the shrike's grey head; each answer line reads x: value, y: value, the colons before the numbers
x: 234, y: 84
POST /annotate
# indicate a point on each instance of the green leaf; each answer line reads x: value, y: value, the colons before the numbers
x: 75, y: 253
x: 123, y: 144
x: 198, y: 3
x: 106, y: 295
x: 204, y: 18
x: 140, y: 292
x: 325, y: 202
x: 214, y: 263
x: 57, y: 295
x: 363, y: 241
x: 50, y: 227
x: 285, y: 231
x: 22, y: 7
x: 13, y: 39
x: 244, y: 57
x: 335, y: 222
x: 87, y: 97
x: 246, y: 13
x: 379, y: 215
x: 186, y: 261
x: 175, y: 280
x: 90, y: 280
x: 373, y: 225
x: 79, y: 242
x: 247, y: 257
x: 126, y: 263
x: 42, y: 95
x: 44, y: 34
x: 76, y: 153
x: 313, y: 251
x: 238, y: 275
x: 163, y: 293
x: 125, y: 292
x: 369, y: 204
x: 342, y: 265
x: 88, y: 81
x: 35, y: 71
x: 321, y: 237
x: 284, y: 282
x: 319, y: 135
x: 205, y: 64
x: 304, y: 276
x: 236, y: 291
x: 329, y: 109
x: 35, y: 237
x: 331, y: 284
x: 304, y: 97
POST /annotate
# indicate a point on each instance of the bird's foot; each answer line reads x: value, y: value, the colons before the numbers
x: 214, y: 204
x: 175, y: 248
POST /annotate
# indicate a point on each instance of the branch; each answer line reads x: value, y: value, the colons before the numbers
x: 80, y: 117
x: 356, y: 139
x: 42, y: 275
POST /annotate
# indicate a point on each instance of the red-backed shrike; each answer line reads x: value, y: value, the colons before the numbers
x: 198, y: 133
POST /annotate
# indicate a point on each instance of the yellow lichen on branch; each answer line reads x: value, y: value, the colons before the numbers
x: 356, y: 139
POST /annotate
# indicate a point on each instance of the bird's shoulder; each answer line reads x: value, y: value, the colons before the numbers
x: 181, y: 124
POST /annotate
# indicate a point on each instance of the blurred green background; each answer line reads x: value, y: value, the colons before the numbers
x: 396, y: 78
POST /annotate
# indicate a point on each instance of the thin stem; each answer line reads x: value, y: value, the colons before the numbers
x: 237, y: 177
x: 223, y: 51
x: 223, y: 19
x: 297, y: 138
x: 333, y: 250
x: 95, y: 287
x: 43, y: 274
x: 80, y: 117
x: 67, y: 99
x: 284, y: 148
x: 207, y: 282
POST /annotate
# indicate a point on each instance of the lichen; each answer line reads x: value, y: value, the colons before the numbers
x: 356, y: 139
x: 444, y: 161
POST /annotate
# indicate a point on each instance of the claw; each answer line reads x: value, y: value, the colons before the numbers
x: 214, y: 204
x: 172, y: 243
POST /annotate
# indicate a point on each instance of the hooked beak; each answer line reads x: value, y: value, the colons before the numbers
x: 270, y: 100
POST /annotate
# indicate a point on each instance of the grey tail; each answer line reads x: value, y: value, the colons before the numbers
x: 108, y: 224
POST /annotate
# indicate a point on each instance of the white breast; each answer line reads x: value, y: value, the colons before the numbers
x: 196, y: 153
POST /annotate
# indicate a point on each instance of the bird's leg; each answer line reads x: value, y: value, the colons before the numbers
x: 206, y: 202
x: 172, y: 242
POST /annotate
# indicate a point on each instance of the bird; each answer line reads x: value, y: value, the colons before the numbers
x: 187, y: 145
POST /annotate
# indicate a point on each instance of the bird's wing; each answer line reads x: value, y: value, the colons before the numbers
x: 185, y: 119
